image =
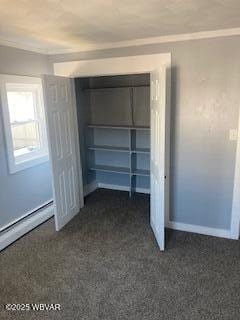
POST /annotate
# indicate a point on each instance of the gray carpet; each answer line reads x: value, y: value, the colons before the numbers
x: 105, y: 264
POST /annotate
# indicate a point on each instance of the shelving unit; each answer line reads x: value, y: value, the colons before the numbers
x: 114, y: 119
x: 132, y: 159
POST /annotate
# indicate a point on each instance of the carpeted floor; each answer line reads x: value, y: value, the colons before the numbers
x: 105, y: 264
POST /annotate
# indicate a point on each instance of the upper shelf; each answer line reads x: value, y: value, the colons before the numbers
x: 117, y: 87
x: 103, y: 126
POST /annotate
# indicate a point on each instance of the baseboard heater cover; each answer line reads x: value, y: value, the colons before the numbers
x: 22, y: 227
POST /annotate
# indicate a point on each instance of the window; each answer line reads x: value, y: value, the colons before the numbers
x: 24, y: 121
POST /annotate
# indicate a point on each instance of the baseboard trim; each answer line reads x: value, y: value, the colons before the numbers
x: 121, y: 188
x: 91, y: 187
x: 23, y: 227
x: 222, y: 233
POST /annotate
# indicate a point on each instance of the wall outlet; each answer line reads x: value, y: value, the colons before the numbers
x: 233, y: 134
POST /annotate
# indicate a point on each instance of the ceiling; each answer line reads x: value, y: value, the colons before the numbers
x: 59, y: 26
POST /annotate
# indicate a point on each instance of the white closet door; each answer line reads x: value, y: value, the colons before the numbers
x: 159, y: 154
x: 63, y: 143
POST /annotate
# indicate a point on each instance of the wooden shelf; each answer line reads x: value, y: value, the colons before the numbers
x: 140, y: 128
x: 118, y: 149
x: 141, y: 150
x: 103, y: 126
x: 118, y: 87
x: 141, y: 172
x: 122, y: 170
x: 108, y: 148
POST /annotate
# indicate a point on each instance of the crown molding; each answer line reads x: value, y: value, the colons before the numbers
x: 130, y: 43
x: 154, y: 40
x: 22, y: 46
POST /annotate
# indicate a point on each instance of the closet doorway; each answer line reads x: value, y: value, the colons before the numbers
x: 114, y: 132
x: 122, y: 130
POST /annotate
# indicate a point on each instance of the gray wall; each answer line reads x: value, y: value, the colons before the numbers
x: 25, y: 190
x: 205, y: 103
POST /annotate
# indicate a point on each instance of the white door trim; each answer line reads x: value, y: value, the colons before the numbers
x: 235, y: 220
x: 76, y: 130
x: 112, y: 66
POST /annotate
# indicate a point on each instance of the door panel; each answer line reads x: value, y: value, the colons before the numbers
x: 159, y: 154
x: 63, y: 139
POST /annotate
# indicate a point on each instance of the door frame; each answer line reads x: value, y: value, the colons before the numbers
x: 112, y: 66
x: 120, y: 66
x: 235, y: 218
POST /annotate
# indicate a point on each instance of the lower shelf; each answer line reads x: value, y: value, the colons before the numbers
x: 122, y: 170
x: 141, y: 172
x: 108, y: 148
x: 110, y: 169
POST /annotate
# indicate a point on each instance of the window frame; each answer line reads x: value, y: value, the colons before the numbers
x: 33, y: 158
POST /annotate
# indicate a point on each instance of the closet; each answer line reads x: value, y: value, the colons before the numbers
x: 106, y: 121
x: 114, y: 131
